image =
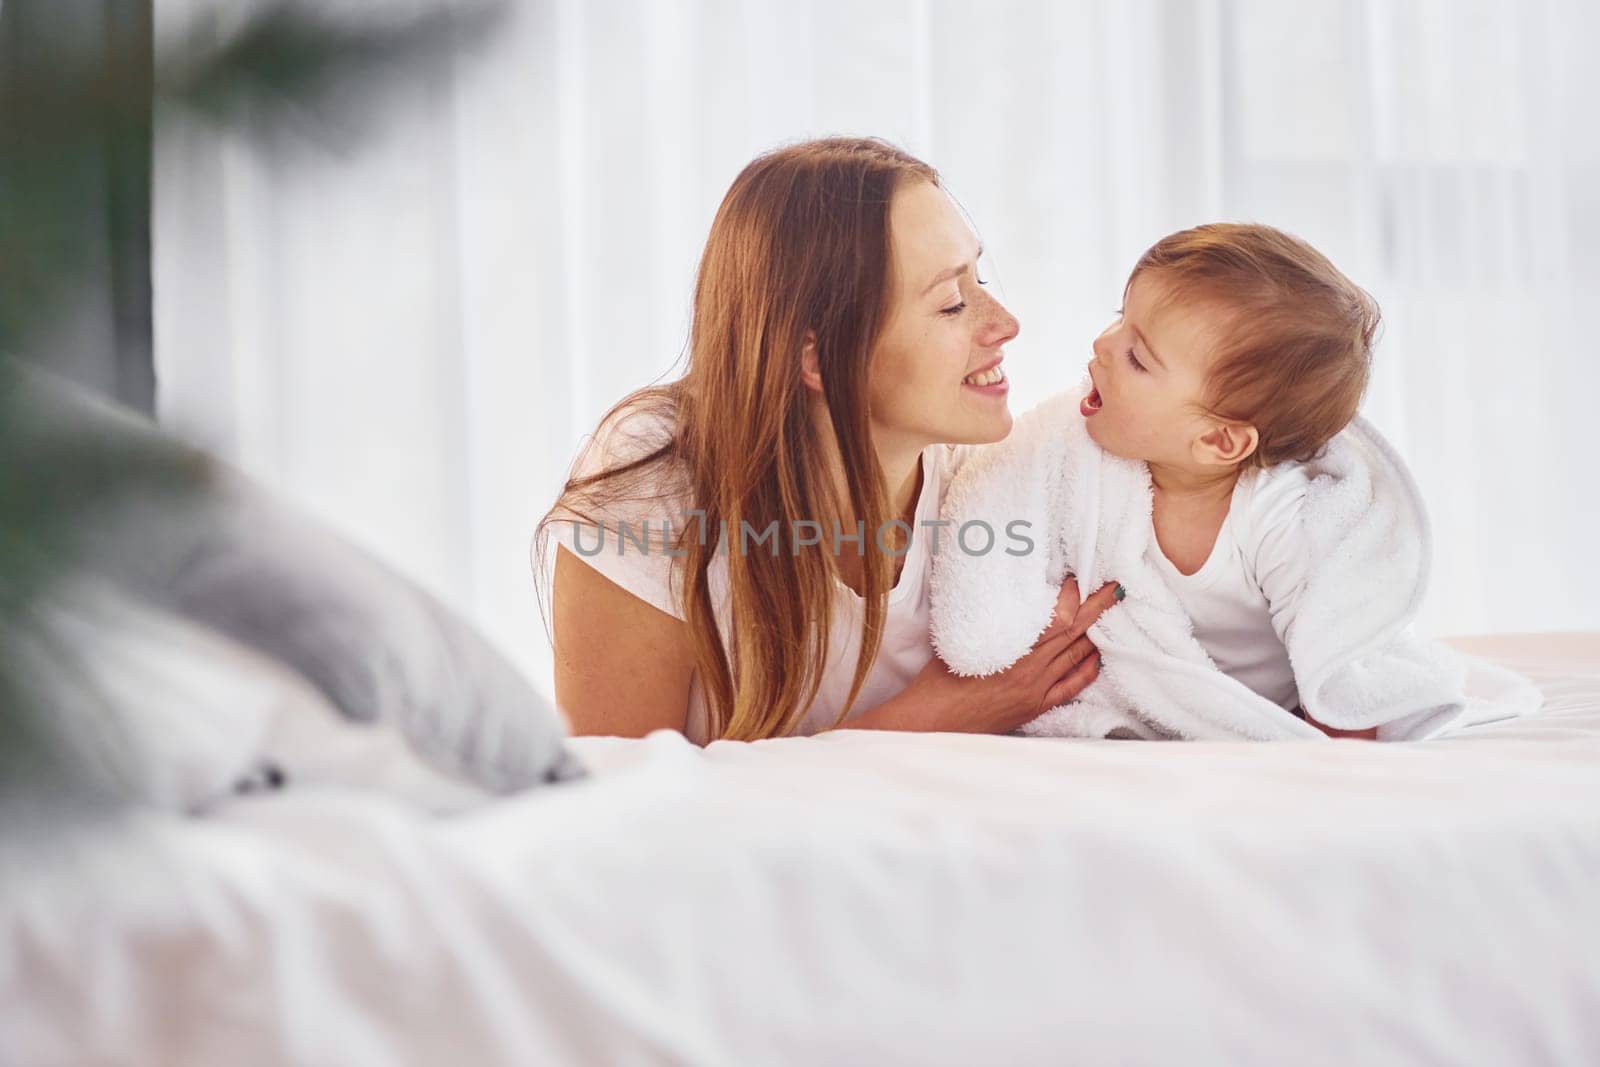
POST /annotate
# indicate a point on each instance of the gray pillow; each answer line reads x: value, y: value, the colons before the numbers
x: 233, y: 557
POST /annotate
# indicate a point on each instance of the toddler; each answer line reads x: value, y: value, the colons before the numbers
x: 1238, y: 353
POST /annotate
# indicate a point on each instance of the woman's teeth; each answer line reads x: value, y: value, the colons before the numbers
x: 986, y: 377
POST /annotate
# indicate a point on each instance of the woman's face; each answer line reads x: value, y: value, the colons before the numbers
x: 942, y: 331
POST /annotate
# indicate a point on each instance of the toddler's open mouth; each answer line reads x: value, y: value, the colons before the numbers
x: 1090, y: 404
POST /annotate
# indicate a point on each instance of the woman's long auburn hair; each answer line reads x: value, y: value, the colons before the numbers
x: 799, y: 251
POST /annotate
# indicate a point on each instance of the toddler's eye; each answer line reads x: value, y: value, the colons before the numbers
x: 1134, y: 360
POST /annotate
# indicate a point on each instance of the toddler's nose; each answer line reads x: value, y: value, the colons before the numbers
x: 1096, y: 349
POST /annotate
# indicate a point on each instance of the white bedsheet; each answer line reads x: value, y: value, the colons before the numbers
x: 861, y: 898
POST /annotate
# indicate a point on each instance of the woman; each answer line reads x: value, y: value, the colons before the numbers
x: 839, y: 324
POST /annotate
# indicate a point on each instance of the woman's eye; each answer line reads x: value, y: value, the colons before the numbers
x: 980, y: 281
x: 954, y: 310
x: 1134, y: 360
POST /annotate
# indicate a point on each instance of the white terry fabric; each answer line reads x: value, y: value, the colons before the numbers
x: 905, y: 647
x: 1359, y: 528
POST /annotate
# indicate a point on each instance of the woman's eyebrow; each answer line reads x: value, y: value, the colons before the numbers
x: 953, y: 272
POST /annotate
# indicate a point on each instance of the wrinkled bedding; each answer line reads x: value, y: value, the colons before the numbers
x: 857, y: 897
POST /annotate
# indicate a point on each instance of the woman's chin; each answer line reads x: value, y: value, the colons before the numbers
x: 985, y: 431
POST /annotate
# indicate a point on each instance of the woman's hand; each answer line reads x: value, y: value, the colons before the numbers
x: 1060, y: 665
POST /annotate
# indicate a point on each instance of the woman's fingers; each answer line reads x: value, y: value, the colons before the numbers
x: 1065, y: 672
x: 1092, y: 608
x: 1066, y: 606
x: 1073, y: 682
x: 1070, y: 655
x: 1072, y: 620
x: 1064, y: 657
x: 1050, y: 644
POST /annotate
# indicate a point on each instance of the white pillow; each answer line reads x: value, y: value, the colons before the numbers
x: 151, y: 707
x: 229, y: 555
x: 145, y: 705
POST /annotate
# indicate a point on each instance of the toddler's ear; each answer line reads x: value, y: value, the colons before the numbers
x: 1226, y: 444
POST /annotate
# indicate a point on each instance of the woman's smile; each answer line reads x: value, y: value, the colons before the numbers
x: 990, y: 381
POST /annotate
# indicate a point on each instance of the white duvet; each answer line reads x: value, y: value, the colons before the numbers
x: 858, y: 898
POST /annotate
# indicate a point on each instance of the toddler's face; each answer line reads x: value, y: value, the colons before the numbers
x: 1149, y: 373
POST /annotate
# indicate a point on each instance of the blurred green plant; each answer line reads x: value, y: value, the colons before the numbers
x: 281, y: 69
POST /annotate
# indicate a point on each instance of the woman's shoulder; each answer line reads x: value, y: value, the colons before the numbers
x: 636, y: 427
x: 633, y: 447
x: 621, y: 524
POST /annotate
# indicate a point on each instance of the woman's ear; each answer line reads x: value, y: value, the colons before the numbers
x: 810, y: 369
x: 1226, y: 444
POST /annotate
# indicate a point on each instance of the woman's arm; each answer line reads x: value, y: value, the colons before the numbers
x: 622, y: 666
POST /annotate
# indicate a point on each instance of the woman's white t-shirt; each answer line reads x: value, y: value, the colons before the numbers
x: 647, y: 573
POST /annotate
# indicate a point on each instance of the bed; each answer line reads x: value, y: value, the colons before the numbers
x: 856, y: 898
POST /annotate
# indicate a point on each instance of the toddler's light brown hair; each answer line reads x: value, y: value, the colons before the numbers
x: 1293, y: 352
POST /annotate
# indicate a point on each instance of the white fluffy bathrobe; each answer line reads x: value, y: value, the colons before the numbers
x: 1356, y: 662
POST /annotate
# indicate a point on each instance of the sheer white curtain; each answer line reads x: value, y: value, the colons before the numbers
x: 412, y: 338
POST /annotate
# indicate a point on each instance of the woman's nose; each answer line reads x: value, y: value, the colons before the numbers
x: 1001, y: 327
